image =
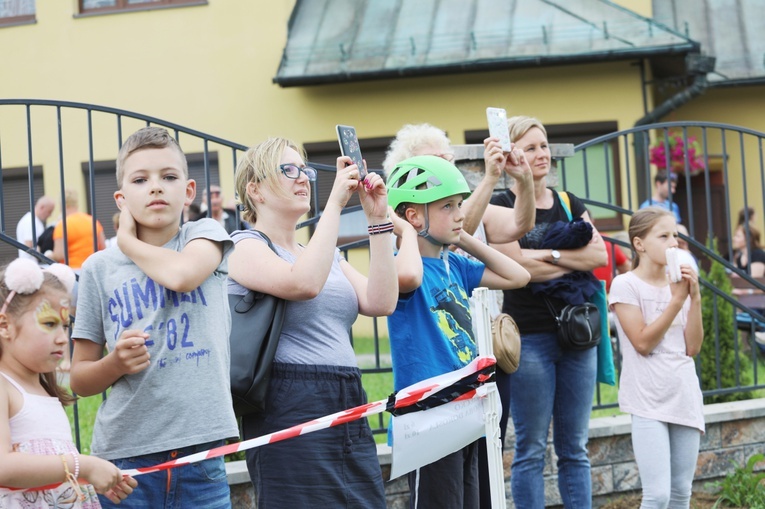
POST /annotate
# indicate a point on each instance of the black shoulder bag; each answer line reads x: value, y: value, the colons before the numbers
x: 578, y: 325
x: 256, y: 324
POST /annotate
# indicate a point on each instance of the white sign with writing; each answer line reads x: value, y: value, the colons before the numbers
x: 420, y: 438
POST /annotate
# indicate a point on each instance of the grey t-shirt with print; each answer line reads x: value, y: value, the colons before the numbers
x: 315, y: 331
x: 183, y: 398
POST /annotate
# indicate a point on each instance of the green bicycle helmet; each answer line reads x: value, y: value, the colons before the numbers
x: 424, y: 179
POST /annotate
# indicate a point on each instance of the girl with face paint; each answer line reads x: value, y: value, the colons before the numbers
x: 36, y: 446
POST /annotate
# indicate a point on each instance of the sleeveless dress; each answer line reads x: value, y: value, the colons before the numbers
x: 42, y: 427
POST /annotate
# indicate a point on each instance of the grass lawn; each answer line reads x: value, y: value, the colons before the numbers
x: 86, y: 412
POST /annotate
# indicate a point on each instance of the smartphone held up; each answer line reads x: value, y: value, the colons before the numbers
x: 497, y: 119
x: 349, y: 146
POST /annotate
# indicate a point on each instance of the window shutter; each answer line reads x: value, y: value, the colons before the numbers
x: 16, y: 203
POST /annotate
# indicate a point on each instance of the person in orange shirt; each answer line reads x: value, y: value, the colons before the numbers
x: 79, y: 234
x: 79, y: 245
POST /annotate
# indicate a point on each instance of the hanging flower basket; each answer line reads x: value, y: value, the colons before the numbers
x: 677, y: 149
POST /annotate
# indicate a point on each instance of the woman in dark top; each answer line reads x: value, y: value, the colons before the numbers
x: 551, y: 383
x: 752, y: 261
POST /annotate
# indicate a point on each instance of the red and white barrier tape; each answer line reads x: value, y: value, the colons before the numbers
x: 405, y: 397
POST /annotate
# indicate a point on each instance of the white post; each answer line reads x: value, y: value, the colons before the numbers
x: 482, y: 323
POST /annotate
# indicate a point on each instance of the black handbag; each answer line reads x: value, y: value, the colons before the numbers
x: 578, y: 325
x: 256, y: 324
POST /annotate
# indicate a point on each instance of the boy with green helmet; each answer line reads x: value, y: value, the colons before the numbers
x: 431, y: 329
x: 422, y: 180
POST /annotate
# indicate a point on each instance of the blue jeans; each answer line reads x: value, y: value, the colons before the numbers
x: 556, y: 384
x: 200, y: 485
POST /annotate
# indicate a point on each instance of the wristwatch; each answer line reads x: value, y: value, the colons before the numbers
x: 555, y: 256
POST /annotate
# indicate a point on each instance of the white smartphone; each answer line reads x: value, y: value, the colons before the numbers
x: 497, y: 118
x: 349, y: 146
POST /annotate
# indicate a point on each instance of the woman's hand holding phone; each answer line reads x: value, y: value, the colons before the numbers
x: 374, y: 199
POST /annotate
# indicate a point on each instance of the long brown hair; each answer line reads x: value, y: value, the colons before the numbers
x: 20, y: 304
x: 641, y: 223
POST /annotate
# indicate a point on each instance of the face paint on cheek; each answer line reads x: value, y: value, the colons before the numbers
x: 64, y: 303
x: 45, y: 315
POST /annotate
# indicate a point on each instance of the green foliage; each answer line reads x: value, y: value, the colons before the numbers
x: 742, y: 487
x: 720, y: 340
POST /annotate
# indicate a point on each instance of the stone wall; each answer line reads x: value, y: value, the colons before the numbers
x: 735, y: 431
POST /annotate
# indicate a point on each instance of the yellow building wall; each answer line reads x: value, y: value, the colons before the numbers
x: 210, y: 68
x: 642, y: 7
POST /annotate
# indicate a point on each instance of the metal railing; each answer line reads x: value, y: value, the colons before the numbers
x: 48, y: 124
x: 715, y: 165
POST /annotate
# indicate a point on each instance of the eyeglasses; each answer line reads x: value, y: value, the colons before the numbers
x: 292, y: 171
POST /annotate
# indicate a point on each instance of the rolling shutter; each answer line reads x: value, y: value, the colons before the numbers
x: 15, y: 198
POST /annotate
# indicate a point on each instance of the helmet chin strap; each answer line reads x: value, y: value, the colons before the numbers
x: 425, y: 233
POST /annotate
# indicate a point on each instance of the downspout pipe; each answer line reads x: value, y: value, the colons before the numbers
x: 697, y: 65
x: 681, y: 98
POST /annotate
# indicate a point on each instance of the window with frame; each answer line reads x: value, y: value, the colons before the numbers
x: 15, y: 12
x: 104, y: 6
x: 592, y: 174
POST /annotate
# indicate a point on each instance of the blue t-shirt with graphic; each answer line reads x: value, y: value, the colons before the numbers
x: 431, y: 330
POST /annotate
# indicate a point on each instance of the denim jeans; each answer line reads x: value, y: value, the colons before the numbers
x: 200, y: 485
x: 557, y: 384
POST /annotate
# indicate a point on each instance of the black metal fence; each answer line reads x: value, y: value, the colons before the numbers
x: 719, y: 172
x: 40, y: 141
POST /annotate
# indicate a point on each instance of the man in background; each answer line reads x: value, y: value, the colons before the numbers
x: 226, y: 217
x: 664, y: 184
x: 42, y: 211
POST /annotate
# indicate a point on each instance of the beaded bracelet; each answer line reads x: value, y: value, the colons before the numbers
x: 72, y: 478
x: 76, y: 457
x: 380, y: 228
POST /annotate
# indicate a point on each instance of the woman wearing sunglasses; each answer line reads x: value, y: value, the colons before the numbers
x: 314, y: 371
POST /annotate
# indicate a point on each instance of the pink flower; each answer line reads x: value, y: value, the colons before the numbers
x: 677, y: 152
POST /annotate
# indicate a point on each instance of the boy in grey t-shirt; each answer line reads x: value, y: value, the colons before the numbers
x: 158, y: 303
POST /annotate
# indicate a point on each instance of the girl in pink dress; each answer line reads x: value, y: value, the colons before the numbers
x: 660, y: 330
x: 36, y: 446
